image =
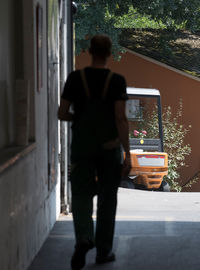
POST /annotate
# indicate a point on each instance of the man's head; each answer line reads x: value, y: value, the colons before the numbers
x: 100, y: 46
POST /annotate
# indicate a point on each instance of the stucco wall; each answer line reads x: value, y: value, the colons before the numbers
x: 6, y: 73
x: 28, y: 208
x: 143, y: 72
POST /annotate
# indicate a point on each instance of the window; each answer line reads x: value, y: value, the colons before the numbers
x: 16, y: 79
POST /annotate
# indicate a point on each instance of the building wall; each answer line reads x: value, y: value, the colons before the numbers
x: 28, y: 207
x: 144, y: 72
x: 6, y: 73
x: 28, y: 210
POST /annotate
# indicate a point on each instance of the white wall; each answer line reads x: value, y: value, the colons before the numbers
x: 28, y: 209
x: 28, y: 212
x: 6, y: 73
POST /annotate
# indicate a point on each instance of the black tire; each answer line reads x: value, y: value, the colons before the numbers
x: 127, y: 183
x: 165, y: 187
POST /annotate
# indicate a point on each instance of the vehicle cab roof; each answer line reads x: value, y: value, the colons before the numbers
x: 143, y: 91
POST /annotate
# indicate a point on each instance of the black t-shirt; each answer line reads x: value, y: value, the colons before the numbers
x: 74, y: 90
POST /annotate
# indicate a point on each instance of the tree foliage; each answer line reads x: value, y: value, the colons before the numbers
x: 172, y: 12
x: 101, y: 16
x: 97, y: 17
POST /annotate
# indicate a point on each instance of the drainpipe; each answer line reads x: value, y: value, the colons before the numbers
x: 63, y: 125
x: 66, y: 66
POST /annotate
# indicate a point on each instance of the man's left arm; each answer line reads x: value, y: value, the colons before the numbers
x: 63, y: 112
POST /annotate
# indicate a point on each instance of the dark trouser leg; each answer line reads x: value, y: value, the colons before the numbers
x: 108, y: 182
x: 83, y: 189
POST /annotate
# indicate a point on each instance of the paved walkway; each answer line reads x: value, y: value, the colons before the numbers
x: 154, y: 230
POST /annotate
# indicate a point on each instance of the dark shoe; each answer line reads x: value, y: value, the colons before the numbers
x: 78, y: 258
x: 110, y: 257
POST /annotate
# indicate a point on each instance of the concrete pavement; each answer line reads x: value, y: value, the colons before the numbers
x: 154, y: 230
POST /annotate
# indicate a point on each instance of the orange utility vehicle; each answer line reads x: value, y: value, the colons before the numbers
x: 149, y: 162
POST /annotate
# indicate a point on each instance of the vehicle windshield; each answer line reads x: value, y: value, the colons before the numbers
x: 143, y: 117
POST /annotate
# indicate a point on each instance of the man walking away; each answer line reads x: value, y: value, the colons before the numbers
x: 99, y: 127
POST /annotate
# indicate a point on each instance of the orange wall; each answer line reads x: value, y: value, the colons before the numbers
x: 141, y: 72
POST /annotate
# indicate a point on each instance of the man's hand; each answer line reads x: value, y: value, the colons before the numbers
x: 63, y: 111
x: 126, y: 165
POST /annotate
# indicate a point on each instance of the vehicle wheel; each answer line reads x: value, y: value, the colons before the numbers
x: 127, y: 183
x: 164, y: 186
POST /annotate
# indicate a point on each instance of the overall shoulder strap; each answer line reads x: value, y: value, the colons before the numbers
x: 85, y: 84
x: 105, y: 89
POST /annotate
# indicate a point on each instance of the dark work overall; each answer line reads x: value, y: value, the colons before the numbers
x: 95, y: 152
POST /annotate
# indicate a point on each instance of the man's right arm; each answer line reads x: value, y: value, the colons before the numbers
x: 123, y: 131
x: 63, y: 111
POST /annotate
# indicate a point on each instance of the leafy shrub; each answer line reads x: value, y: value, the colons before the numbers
x: 173, y: 136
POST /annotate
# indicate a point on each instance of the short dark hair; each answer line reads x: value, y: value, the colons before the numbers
x: 100, y: 45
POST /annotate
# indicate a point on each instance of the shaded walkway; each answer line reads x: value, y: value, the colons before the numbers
x: 154, y: 230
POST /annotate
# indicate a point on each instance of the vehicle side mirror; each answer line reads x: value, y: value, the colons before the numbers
x: 74, y: 7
